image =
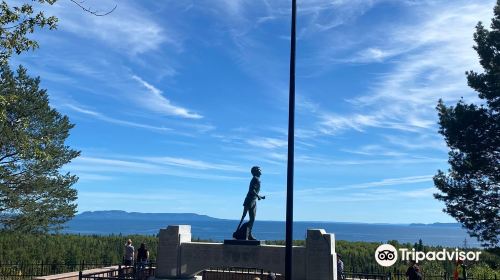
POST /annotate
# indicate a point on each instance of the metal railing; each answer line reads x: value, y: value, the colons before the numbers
x: 236, y: 273
x: 399, y: 275
x: 365, y: 276
x: 136, y: 271
x: 10, y: 270
x: 24, y: 271
x: 229, y: 273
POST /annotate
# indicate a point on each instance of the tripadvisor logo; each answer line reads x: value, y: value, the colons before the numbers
x: 387, y: 255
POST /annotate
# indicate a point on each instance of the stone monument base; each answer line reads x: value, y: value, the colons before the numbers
x: 244, y: 242
x: 193, y: 278
x: 180, y: 258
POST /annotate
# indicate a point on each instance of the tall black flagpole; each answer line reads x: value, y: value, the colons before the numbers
x: 291, y: 146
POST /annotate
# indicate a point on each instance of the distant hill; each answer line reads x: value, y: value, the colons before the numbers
x: 123, y: 215
x: 206, y: 227
x: 437, y: 224
x: 121, y: 222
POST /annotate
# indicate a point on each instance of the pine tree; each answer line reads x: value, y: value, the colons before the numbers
x: 470, y: 189
x: 34, y: 196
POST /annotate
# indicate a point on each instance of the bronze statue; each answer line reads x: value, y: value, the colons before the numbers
x: 250, y: 206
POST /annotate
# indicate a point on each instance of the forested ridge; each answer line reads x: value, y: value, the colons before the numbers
x: 68, y: 248
x: 75, y: 249
x: 358, y: 256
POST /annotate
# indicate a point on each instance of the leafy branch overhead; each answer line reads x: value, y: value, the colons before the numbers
x: 17, y: 22
x: 470, y: 189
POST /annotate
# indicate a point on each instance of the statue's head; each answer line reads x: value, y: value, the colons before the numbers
x: 256, y: 171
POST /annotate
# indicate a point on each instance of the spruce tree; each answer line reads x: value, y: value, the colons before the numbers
x: 470, y: 188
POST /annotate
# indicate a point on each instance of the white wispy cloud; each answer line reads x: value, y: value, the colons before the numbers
x: 173, y: 194
x: 419, y: 193
x: 192, y: 164
x: 381, y: 183
x: 419, y: 142
x: 323, y: 161
x: 243, y: 22
x: 129, y: 28
x: 155, y: 101
x: 371, y: 195
x: 385, y: 189
x: 179, y: 167
x: 93, y: 177
x: 375, y: 150
x: 324, y: 15
x: 102, y: 117
x: 393, y: 181
x: 267, y: 143
x: 332, y: 123
x: 231, y: 7
x: 432, y: 57
x: 426, y: 60
x: 372, y: 54
x: 111, y: 164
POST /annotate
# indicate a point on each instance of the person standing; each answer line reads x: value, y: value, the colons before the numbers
x: 250, y: 203
x: 340, y: 268
x: 128, y: 257
x: 142, y: 256
x: 413, y: 272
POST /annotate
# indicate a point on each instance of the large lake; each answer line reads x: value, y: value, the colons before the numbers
x: 445, y: 235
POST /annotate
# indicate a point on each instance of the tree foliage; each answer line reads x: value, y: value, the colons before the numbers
x: 97, y: 249
x: 34, y: 196
x: 17, y: 22
x: 470, y: 189
x: 69, y: 248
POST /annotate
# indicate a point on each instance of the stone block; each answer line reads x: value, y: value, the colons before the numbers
x: 180, y: 258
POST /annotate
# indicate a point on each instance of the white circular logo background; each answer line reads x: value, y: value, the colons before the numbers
x: 386, y: 255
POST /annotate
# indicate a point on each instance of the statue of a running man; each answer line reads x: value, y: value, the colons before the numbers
x: 250, y: 206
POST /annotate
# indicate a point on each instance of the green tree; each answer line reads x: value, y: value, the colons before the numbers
x: 17, y: 22
x: 34, y: 196
x: 470, y: 189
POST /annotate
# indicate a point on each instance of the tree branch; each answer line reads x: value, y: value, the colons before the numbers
x: 7, y: 156
x: 95, y: 13
x: 8, y: 162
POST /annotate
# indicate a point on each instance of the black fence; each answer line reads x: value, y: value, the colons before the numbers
x: 22, y: 271
x: 364, y: 276
x: 236, y: 273
x: 399, y: 275
x: 138, y: 271
x: 31, y: 270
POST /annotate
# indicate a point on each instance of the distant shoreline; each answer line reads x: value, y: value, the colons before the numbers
x: 119, y: 214
x: 206, y: 227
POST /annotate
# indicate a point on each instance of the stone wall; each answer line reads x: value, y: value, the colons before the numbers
x: 178, y: 257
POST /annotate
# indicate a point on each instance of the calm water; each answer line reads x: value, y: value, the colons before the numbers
x: 444, y: 235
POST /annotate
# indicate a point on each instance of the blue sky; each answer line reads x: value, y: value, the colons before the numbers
x: 175, y: 101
